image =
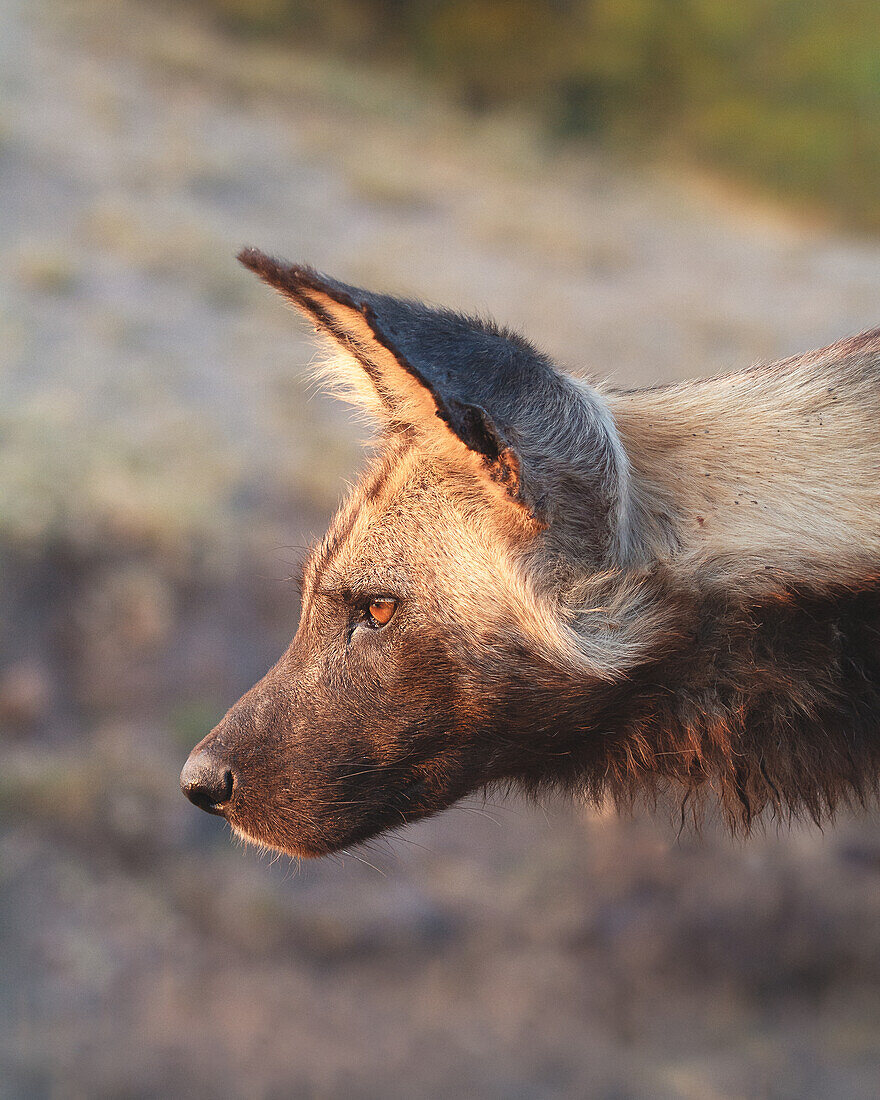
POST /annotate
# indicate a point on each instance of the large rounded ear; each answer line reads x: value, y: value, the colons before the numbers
x: 481, y: 392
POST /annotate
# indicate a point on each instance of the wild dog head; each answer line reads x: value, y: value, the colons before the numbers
x: 435, y: 650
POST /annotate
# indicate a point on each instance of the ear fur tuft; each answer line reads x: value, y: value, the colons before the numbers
x: 347, y: 370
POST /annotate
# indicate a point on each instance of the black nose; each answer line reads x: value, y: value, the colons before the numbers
x: 206, y: 781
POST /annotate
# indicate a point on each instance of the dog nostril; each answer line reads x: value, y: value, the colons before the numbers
x: 206, y: 782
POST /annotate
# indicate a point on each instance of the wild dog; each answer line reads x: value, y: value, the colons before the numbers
x: 545, y: 583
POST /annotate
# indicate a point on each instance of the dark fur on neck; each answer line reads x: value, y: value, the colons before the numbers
x: 769, y: 708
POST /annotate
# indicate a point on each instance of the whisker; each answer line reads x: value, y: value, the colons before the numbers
x: 479, y: 813
x: 366, y: 863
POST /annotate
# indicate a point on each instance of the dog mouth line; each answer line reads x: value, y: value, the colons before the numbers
x: 294, y: 832
x: 279, y: 833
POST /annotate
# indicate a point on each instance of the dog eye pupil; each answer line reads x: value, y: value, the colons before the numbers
x: 381, y: 610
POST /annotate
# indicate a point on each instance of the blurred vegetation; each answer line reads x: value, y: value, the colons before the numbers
x: 784, y: 94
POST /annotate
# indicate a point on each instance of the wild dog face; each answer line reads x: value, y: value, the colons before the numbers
x: 433, y: 638
x: 510, y: 594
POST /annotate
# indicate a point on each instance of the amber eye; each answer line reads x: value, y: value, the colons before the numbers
x: 381, y: 610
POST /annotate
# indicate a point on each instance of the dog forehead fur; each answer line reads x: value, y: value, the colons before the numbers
x: 416, y: 526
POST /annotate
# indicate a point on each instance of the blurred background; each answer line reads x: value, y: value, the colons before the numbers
x: 651, y: 190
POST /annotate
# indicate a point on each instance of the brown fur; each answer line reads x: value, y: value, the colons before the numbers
x: 623, y: 593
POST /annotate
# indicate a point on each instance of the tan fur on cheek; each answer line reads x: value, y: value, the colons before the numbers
x: 489, y: 573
